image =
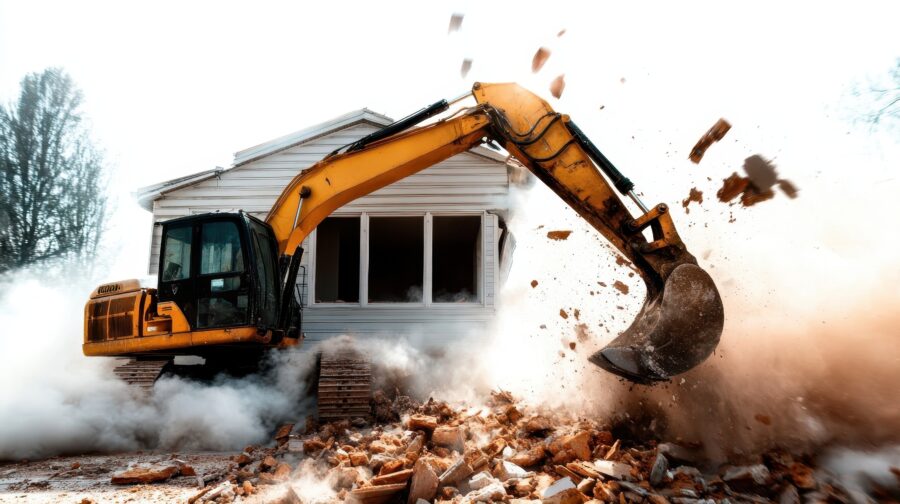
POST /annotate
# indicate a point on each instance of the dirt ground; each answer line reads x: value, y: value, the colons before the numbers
x: 73, y: 479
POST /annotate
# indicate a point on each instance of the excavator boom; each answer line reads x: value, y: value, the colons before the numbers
x: 681, y: 320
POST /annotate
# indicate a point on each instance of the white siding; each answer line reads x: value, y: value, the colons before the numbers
x: 466, y: 183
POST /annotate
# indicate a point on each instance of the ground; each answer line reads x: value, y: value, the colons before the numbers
x: 502, y: 451
x: 78, y: 477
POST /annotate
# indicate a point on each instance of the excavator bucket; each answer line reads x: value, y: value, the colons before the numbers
x: 681, y: 320
x: 677, y: 328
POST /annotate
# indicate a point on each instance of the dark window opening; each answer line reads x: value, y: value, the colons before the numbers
x: 456, y: 246
x: 337, y: 260
x: 396, y: 259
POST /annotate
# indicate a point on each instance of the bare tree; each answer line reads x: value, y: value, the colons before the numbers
x: 52, y: 181
x: 887, y: 98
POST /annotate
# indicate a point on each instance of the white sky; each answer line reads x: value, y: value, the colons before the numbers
x: 174, y: 88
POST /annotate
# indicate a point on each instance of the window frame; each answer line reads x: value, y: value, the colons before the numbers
x: 427, y: 270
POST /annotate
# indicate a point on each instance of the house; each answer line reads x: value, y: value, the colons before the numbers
x: 421, y: 256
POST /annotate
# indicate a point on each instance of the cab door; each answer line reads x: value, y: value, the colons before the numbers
x: 223, y: 280
x: 177, y: 266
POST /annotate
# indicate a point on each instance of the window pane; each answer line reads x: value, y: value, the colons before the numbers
x: 222, y: 310
x: 221, y: 252
x: 455, y: 252
x: 337, y: 260
x: 265, y: 271
x: 396, y: 259
x: 177, y: 263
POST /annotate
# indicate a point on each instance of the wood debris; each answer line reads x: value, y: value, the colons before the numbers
x: 558, y: 85
x: 540, y: 57
x: 559, y: 235
x: 715, y: 133
x: 455, y: 22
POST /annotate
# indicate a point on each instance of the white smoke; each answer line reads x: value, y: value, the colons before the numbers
x: 54, y: 400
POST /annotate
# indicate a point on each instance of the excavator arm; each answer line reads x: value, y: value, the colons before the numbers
x: 681, y: 320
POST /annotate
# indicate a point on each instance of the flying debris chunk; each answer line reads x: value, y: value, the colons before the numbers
x: 559, y: 235
x: 558, y: 85
x: 757, y: 185
x: 788, y: 188
x: 713, y: 135
x: 466, y: 66
x: 561, y: 32
x: 732, y: 187
x: 540, y: 57
x: 455, y: 22
x: 694, y: 196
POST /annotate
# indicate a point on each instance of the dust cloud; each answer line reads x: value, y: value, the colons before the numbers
x: 53, y: 400
x: 810, y: 355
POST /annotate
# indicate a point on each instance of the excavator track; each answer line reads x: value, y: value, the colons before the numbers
x: 141, y: 374
x: 345, y: 387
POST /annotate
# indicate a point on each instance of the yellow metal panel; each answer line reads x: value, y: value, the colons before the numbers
x: 341, y: 179
x: 175, y: 341
x: 171, y: 310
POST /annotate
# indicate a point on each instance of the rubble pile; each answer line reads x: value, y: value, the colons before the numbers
x: 505, y: 452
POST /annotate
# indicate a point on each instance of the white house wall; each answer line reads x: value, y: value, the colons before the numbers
x: 466, y: 183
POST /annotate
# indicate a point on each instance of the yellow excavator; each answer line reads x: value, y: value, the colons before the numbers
x: 226, y: 280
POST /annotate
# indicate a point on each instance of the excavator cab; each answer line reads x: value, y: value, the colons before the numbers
x: 221, y: 270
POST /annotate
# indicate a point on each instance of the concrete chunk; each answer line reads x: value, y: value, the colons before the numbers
x: 571, y: 447
x: 422, y: 422
x: 480, y: 480
x: 617, y: 470
x: 424, y: 482
x: 489, y: 493
x: 658, y: 472
x: 449, y: 437
x: 455, y: 473
x: 557, y: 487
x: 507, y: 470
x: 758, y: 474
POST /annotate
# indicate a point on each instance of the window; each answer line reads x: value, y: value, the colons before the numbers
x: 337, y: 260
x: 177, y: 263
x: 223, y: 293
x: 266, y: 273
x: 383, y: 259
x: 221, y: 251
x: 396, y: 259
x: 456, y: 242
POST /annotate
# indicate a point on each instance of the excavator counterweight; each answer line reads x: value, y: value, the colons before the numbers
x: 226, y: 280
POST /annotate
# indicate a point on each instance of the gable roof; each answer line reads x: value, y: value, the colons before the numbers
x: 146, y: 195
x: 363, y: 115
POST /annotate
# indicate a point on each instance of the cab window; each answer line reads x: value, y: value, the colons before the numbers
x: 177, y: 262
x: 221, y: 252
